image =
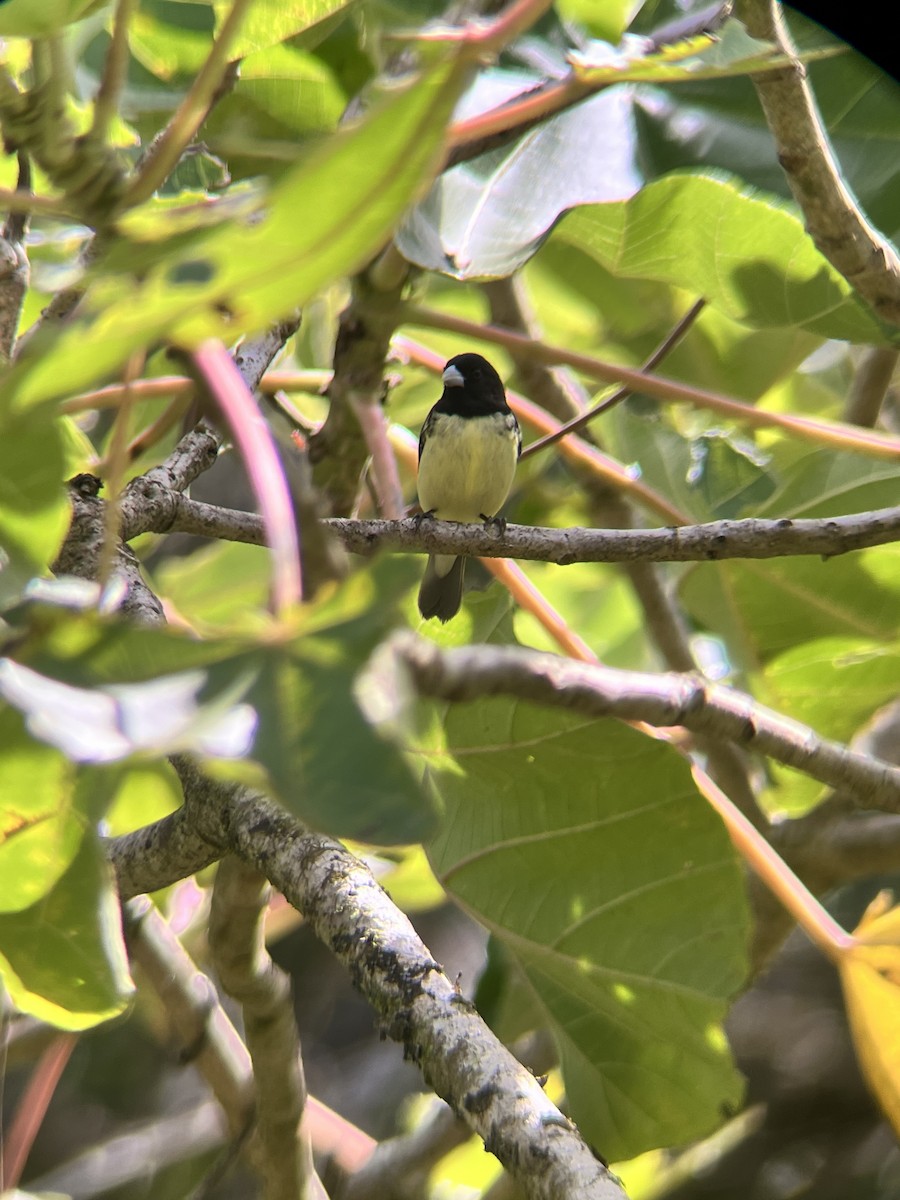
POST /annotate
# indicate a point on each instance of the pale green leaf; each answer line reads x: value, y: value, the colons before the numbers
x: 744, y: 252
x: 586, y: 848
x: 63, y: 959
x: 38, y: 18
x: 324, y: 218
x: 272, y: 21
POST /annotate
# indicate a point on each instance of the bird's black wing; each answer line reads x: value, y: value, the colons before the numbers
x: 427, y: 427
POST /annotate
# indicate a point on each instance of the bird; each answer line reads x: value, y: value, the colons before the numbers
x: 468, y: 450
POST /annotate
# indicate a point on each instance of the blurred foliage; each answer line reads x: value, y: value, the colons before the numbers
x: 615, y: 904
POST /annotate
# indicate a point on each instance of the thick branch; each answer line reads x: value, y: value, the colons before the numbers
x: 832, y: 215
x: 417, y: 1004
x: 248, y: 975
x: 662, y: 700
x: 162, y: 510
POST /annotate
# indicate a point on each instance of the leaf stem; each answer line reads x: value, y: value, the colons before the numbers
x: 774, y: 872
x: 115, y: 70
x: 669, y: 343
x: 828, y: 433
x: 164, y: 153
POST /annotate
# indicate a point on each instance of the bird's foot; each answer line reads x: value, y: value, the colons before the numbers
x: 496, y: 523
x: 418, y: 518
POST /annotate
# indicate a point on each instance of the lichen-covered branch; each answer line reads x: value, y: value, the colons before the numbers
x: 416, y: 1003
x: 161, y: 510
x: 248, y: 975
x: 837, y: 225
x: 662, y: 700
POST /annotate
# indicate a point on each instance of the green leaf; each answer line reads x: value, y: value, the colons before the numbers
x: 804, y: 681
x: 216, y: 585
x: 25, y: 18
x: 711, y: 476
x: 607, y: 20
x: 272, y: 21
x: 765, y: 606
x: 106, y: 724
x: 34, y: 509
x: 40, y: 828
x: 488, y: 216
x: 282, y: 93
x: 63, y: 959
x: 103, y: 691
x: 743, y: 252
x: 324, y: 218
x: 704, y: 124
x: 585, y: 847
x: 321, y: 746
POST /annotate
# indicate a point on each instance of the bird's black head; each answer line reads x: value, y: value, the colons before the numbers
x: 472, y: 387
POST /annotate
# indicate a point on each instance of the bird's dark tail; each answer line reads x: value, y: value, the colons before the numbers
x: 441, y: 593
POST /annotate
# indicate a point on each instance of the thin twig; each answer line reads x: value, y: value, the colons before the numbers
x: 829, y: 433
x: 163, y: 155
x: 870, y: 384
x: 115, y: 70
x: 578, y: 423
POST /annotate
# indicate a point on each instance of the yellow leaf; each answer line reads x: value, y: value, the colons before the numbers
x: 870, y: 974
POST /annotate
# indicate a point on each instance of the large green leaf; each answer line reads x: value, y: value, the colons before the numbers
x: 63, y: 959
x: 766, y: 606
x: 25, y: 18
x: 804, y: 681
x: 488, y: 216
x: 586, y: 848
x: 40, y: 829
x: 707, y: 124
x: 272, y: 21
x: 105, y: 692
x: 324, y: 218
x: 34, y: 510
x: 743, y: 252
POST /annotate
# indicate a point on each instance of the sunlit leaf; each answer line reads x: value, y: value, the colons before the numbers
x: 25, y: 18
x: 586, y: 849
x: 40, y: 828
x: 488, y: 216
x: 269, y: 22
x: 707, y: 124
x: 870, y: 974
x: 324, y: 218
x: 63, y: 959
x: 740, y: 251
x: 34, y: 509
x: 804, y: 681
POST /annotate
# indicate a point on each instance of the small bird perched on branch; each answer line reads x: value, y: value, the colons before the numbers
x: 468, y: 450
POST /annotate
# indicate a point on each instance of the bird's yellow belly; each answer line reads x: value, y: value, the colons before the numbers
x: 467, y: 467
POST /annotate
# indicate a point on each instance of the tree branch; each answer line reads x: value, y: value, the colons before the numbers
x: 248, y: 974
x: 468, y: 673
x: 416, y: 1002
x: 832, y: 215
x: 152, y: 507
